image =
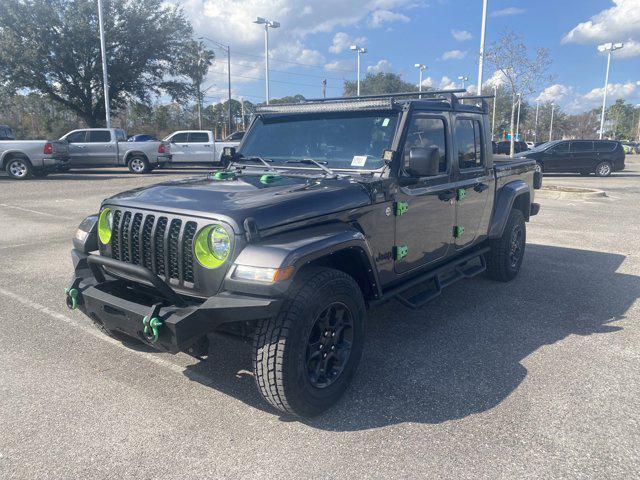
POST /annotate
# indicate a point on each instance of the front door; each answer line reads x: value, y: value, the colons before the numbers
x: 474, y: 182
x: 558, y: 158
x: 180, y: 148
x: 77, y: 148
x: 425, y: 207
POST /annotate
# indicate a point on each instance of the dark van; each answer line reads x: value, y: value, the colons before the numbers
x: 504, y: 147
x: 601, y: 157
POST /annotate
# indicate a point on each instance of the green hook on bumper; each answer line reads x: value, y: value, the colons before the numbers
x: 151, y: 327
x: 72, y: 298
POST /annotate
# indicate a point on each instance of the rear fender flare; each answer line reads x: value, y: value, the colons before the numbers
x: 324, y: 244
x: 6, y: 156
x: 516, y: 193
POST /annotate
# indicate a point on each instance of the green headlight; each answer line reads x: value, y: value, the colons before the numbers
x: 212, y: 246
x: 105, y: 225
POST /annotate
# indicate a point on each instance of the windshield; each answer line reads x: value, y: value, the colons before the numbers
x: 340, y: 141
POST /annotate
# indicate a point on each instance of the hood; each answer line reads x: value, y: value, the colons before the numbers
x: 286, y: 200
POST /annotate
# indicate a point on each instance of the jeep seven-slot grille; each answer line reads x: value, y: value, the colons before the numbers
x: 163, y: 245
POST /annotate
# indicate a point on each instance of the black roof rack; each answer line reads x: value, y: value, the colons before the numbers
x: 373, y: 102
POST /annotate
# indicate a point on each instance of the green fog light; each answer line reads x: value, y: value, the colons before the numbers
x: 105, y: 225
x: 212, y: 246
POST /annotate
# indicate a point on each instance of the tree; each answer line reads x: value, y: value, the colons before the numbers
x: 52, y: 47
x: 194, y: 64
x: 521, y: 73
x: 379, y: 83
x: 621, y: 118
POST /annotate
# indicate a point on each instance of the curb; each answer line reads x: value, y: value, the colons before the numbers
x: 559, y: 191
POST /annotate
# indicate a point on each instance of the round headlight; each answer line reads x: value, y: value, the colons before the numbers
x: 212, y: 246
x: 105, y: 226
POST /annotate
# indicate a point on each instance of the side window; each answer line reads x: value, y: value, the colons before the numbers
x: 468, y: 139
x: 99, y: 136
x: 180, y: 137
x: 581, y: 146
x: 121, y: 136
x: 428, y: 132
x: 198, y: 137
x: 561, y: 148
x: 76, y: 137
x: 605, y: 146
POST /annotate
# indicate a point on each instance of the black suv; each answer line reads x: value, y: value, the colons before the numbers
x: 504, y: 147
x: 327, y: 208
x: 578, y: 156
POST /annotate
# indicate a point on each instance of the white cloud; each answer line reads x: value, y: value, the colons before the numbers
x: 497, y: 79
x: 340, y: 65
x: 427, y: 82
x: 454, y: 55
x: 556, y: 93
x: 380, y: 17
x: 382, y: 66
x: 342, y: 41
x: 505, y: 12
x: 461, y: 35
x: 616, y: 23
x: 576, y: 102
x: 614, y: 91
x: 631, y: 49
x: 446, y: 83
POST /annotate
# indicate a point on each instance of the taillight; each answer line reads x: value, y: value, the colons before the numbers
x: 48, y: 148
x: 161, y: 148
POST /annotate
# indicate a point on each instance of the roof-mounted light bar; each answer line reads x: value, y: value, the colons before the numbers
x: 336, y: 106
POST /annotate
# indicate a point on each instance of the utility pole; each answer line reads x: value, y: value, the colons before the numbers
x: 535, y: 132
x: 359, y: 51
x: 553, y: 106
x: 482, y: 37
x: 105, y: 77
x: 267, y: 24
x: 324, y: 88
x: 226, y: 48
x: 610, y: 48
x: 495, y: 100
x: 244, y: 127
x: 421, y: 68
x: 518, y: 121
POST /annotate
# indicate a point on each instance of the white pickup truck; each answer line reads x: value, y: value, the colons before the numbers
x: 106, y: 147
x: 199, y: 146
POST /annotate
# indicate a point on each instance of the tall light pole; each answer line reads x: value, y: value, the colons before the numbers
x: 553, y: 106
x: 359, y: 51
x: 535, y: 131
x: 482, y: 35
x: 267, y: 24
x: 105, y: 77
x: 421, y: 68
x: 463, y: 79
x: 518, y: 121
x: 495, y: 100
x: 607, y: 47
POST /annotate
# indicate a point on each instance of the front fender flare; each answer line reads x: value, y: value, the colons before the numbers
x: 507, y: 197
x: 299, y: 248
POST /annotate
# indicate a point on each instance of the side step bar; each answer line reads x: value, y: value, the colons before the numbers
x: 439, y: 278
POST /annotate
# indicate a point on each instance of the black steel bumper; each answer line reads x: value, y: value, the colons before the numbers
x: 121, y: 303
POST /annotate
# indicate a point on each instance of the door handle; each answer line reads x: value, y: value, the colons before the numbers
x: 448, y: 195
x: 80, y: 146
x: 480, y: 187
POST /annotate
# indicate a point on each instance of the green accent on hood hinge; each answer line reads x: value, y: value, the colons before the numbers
x: 224, y: 176
x: 461, y: 194
x: 270, y: 178
x: 401, y: 208
x: 458, y: 231
x: 400, y: 251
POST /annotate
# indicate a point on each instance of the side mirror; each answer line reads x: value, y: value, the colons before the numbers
x: 228, y: 155
x: 423, y: 162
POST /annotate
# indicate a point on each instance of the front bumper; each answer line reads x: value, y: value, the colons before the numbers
x: 122, y: 305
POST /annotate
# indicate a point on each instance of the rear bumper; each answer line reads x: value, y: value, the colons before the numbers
x: 121, y: 305
x: 50, y: 164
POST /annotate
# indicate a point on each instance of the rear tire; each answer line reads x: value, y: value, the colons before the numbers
x: 138, y: 165
x: 506, y: 254
x: 19, y: 168
x: 603, y: 169
x: 305, y: 358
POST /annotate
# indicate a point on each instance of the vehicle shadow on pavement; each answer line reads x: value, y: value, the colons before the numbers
x: 462, y: 353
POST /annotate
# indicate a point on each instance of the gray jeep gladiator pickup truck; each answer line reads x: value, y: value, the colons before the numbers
x: 329, y: 207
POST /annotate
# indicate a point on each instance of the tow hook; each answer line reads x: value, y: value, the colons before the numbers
x: 71, y: 295
x: 151, y: 327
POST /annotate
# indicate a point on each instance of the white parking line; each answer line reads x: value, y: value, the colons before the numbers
x: 100, y: 336
x: 31, y: 211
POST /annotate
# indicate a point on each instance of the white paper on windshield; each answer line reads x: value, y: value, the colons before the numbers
x: 359, y: 160
x: 385, y: 122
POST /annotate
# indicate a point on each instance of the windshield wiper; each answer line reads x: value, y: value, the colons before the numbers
x: 311, y: 161
x: 264, y: 161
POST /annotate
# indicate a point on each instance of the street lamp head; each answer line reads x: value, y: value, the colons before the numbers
x: 353, y: 47
x: 363, y: 50
x: 260, y: 21
x: 274, y: 24
x: 617, y: 46
x: 420, y: 66
x: 463, y: 78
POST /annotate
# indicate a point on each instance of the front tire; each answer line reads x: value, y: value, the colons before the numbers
x: 539, y: 167
x: 138, y: 165
x: 506, y: 254
x: 19, y: 168
x: 603, y: 169
x: 305, y: 358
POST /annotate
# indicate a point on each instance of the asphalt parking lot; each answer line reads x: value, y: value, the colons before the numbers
x: 535, y: 378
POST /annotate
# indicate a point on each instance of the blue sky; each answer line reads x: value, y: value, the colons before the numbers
x: 443, y: 34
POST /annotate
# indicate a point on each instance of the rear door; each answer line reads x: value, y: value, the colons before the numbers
x: 101, y: 148
x: 583, y: 155
x: 475, y: 180
x: 201, y: 148
x: 77, y: 147
x: 180, y: 147
x: 425, y: 228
